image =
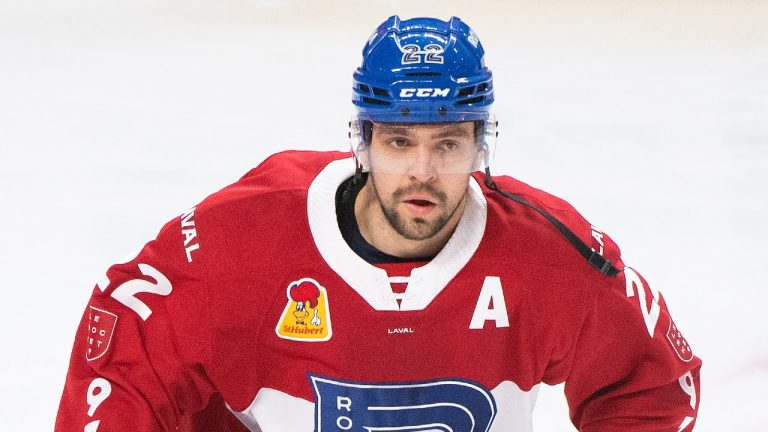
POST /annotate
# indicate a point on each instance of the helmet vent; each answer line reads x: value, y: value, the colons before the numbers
x: 380, y: 92
x: 373, y: 101
x: 423, y: 74
x: 364, y: 88
x: 476, y: 99
x: 466, y: 91
x: 482, y: 87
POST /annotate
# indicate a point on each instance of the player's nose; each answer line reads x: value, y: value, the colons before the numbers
x: 423, y: 166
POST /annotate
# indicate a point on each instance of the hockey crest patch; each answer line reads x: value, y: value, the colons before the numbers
x: 101, y: 326
x: 306, y: 317
x: 678, y: 342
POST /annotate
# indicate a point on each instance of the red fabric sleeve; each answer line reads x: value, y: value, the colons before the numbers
x: 632, y: 370
x: 142, y: 347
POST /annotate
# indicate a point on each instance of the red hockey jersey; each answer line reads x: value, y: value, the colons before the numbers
x: 250, y: 312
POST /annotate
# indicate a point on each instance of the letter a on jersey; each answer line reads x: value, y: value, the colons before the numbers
x: 305, y: 317
x: 490, y: 305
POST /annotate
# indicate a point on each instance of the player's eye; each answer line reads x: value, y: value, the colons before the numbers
x: 448, y: 146
x: 398, y: 143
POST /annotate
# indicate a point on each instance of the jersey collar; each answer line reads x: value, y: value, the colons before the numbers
x: 372, y: 283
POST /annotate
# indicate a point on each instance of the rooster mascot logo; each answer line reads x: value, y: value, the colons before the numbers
x: 305, y: 317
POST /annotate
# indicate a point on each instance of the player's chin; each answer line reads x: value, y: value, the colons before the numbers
x: 418, y: 233
x: 425, y: 227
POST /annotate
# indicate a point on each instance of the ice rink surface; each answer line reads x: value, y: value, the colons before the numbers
x: 650, y: 117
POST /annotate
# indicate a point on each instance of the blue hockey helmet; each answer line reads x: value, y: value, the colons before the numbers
x: 423, y: 70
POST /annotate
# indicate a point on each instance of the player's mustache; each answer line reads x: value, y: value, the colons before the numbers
x: 439, y: 196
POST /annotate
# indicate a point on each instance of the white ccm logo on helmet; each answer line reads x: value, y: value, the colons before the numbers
x: 424, y: 92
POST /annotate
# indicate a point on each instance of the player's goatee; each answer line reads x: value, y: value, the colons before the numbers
x: 417, y: 228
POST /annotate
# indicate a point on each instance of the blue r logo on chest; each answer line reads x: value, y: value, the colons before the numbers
x: 446, y: 405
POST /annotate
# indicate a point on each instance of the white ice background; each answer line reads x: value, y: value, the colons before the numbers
x: 651, y: 117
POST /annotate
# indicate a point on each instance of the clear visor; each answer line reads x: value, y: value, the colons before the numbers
x: 422, y: 148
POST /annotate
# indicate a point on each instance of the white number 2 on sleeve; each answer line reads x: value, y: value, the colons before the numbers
x: 635, y: 285
x: 126, y: 292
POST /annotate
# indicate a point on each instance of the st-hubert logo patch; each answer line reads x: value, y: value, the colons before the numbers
x: 101, y: 326
x: 305, y: 317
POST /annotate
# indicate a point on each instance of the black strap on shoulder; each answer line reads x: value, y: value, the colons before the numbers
x: 595, y: 259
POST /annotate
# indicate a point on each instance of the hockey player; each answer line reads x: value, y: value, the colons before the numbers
x: 395, y: 288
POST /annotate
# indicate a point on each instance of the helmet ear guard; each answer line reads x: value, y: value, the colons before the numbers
x: 360, y: 137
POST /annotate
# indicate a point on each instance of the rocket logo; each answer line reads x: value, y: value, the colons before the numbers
x: 101, y: 326
x: 305, y: 317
